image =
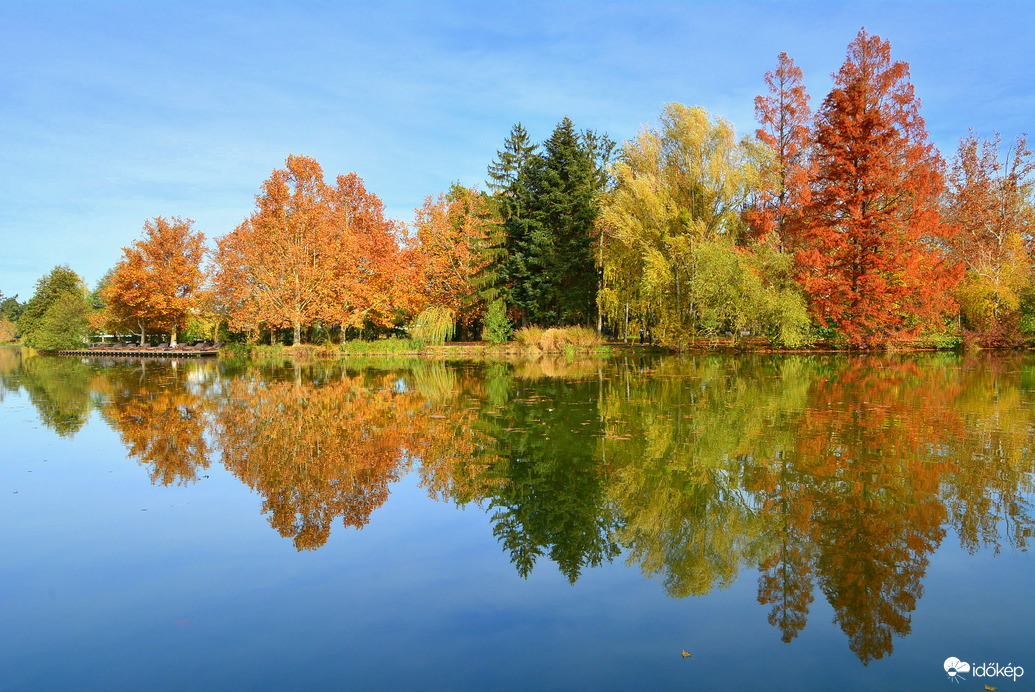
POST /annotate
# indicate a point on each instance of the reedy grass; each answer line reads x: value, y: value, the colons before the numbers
x: 564, y: 339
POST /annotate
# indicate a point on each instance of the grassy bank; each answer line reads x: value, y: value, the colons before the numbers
x: 535, y: 342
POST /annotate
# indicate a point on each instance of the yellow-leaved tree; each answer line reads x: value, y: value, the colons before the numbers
x: 675, y: 220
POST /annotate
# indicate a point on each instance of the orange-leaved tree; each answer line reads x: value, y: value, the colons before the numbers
x: 784, y: 116
x: 452, y: 238
x: 870, y: 256
x: 309, y: 252
x: 369, y: 261
x: 157, y: 283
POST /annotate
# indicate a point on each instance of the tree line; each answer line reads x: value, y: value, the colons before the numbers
x: 843, y: 225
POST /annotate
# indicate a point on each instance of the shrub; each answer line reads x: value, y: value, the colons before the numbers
x: 386, y: 346
x: 943, y: 340
x: 497, y: 328
x: 64, y: 325
x: 236, y: 350
x: 529, y: 337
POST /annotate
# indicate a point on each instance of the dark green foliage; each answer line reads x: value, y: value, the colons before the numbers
x: 10, y: 308
x: 55, y: 316
x: 548, y: 205
x: 552, y: 500
x: 96, y: 297
x: 505, y: 174
x: 507, y: 182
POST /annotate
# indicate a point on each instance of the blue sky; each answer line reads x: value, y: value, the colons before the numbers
x: 112, y: 113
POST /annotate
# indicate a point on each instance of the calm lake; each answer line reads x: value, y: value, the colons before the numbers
x: 793, y: 522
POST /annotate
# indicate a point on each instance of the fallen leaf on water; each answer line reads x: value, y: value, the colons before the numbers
x: 989, y: 687
x: 686, y: 654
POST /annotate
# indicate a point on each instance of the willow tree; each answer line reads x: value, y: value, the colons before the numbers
x: 675, y: 216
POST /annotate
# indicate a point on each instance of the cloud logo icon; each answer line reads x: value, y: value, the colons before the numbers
x: 953, y: 666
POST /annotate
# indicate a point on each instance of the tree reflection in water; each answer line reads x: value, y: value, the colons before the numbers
x: 829, y: 474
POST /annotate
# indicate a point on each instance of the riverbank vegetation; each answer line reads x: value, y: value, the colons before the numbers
x: 843, y: 228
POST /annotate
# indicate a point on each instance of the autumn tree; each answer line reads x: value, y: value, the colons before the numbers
x: 368, y: 258
x: 8, y: 330
x: 870, y: 258
x: 453, y: 232
x: 675, y: 217
x: 785, y: 119
x: 156, y: 284
x: 990, y: 203
x: 10, y: 309
x: 309, y: 252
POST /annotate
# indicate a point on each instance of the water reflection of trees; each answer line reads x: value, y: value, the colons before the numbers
x: 867, y: 447
x: 840, y: 474
x: 59, y: 388
x: 551, y: 497
x: 160, y: 411
x: 315, y: 454
x: 829, y: 475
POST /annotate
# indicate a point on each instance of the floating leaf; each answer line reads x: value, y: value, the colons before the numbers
x: 686, y: 654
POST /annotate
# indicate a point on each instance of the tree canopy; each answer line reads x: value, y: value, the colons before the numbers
x: 158, y: 282
x: 55, y: 316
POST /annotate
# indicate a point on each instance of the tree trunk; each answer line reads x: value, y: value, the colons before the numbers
x: 172, y: 336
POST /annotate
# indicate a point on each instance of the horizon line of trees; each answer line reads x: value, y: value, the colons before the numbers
x: 842, y: 224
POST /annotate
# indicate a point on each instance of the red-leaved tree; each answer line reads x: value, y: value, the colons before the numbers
x: 784, y: 116
x: 871, y: 259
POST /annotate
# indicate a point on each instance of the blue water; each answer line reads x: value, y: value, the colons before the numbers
x: 110, y: 582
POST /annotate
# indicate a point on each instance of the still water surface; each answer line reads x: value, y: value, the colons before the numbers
x: 796, y: 523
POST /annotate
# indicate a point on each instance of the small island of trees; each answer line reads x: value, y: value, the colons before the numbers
x: 844, y: 227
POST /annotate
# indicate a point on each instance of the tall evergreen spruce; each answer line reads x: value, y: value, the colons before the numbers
x: 507, y: 178
x: 548, y: 204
